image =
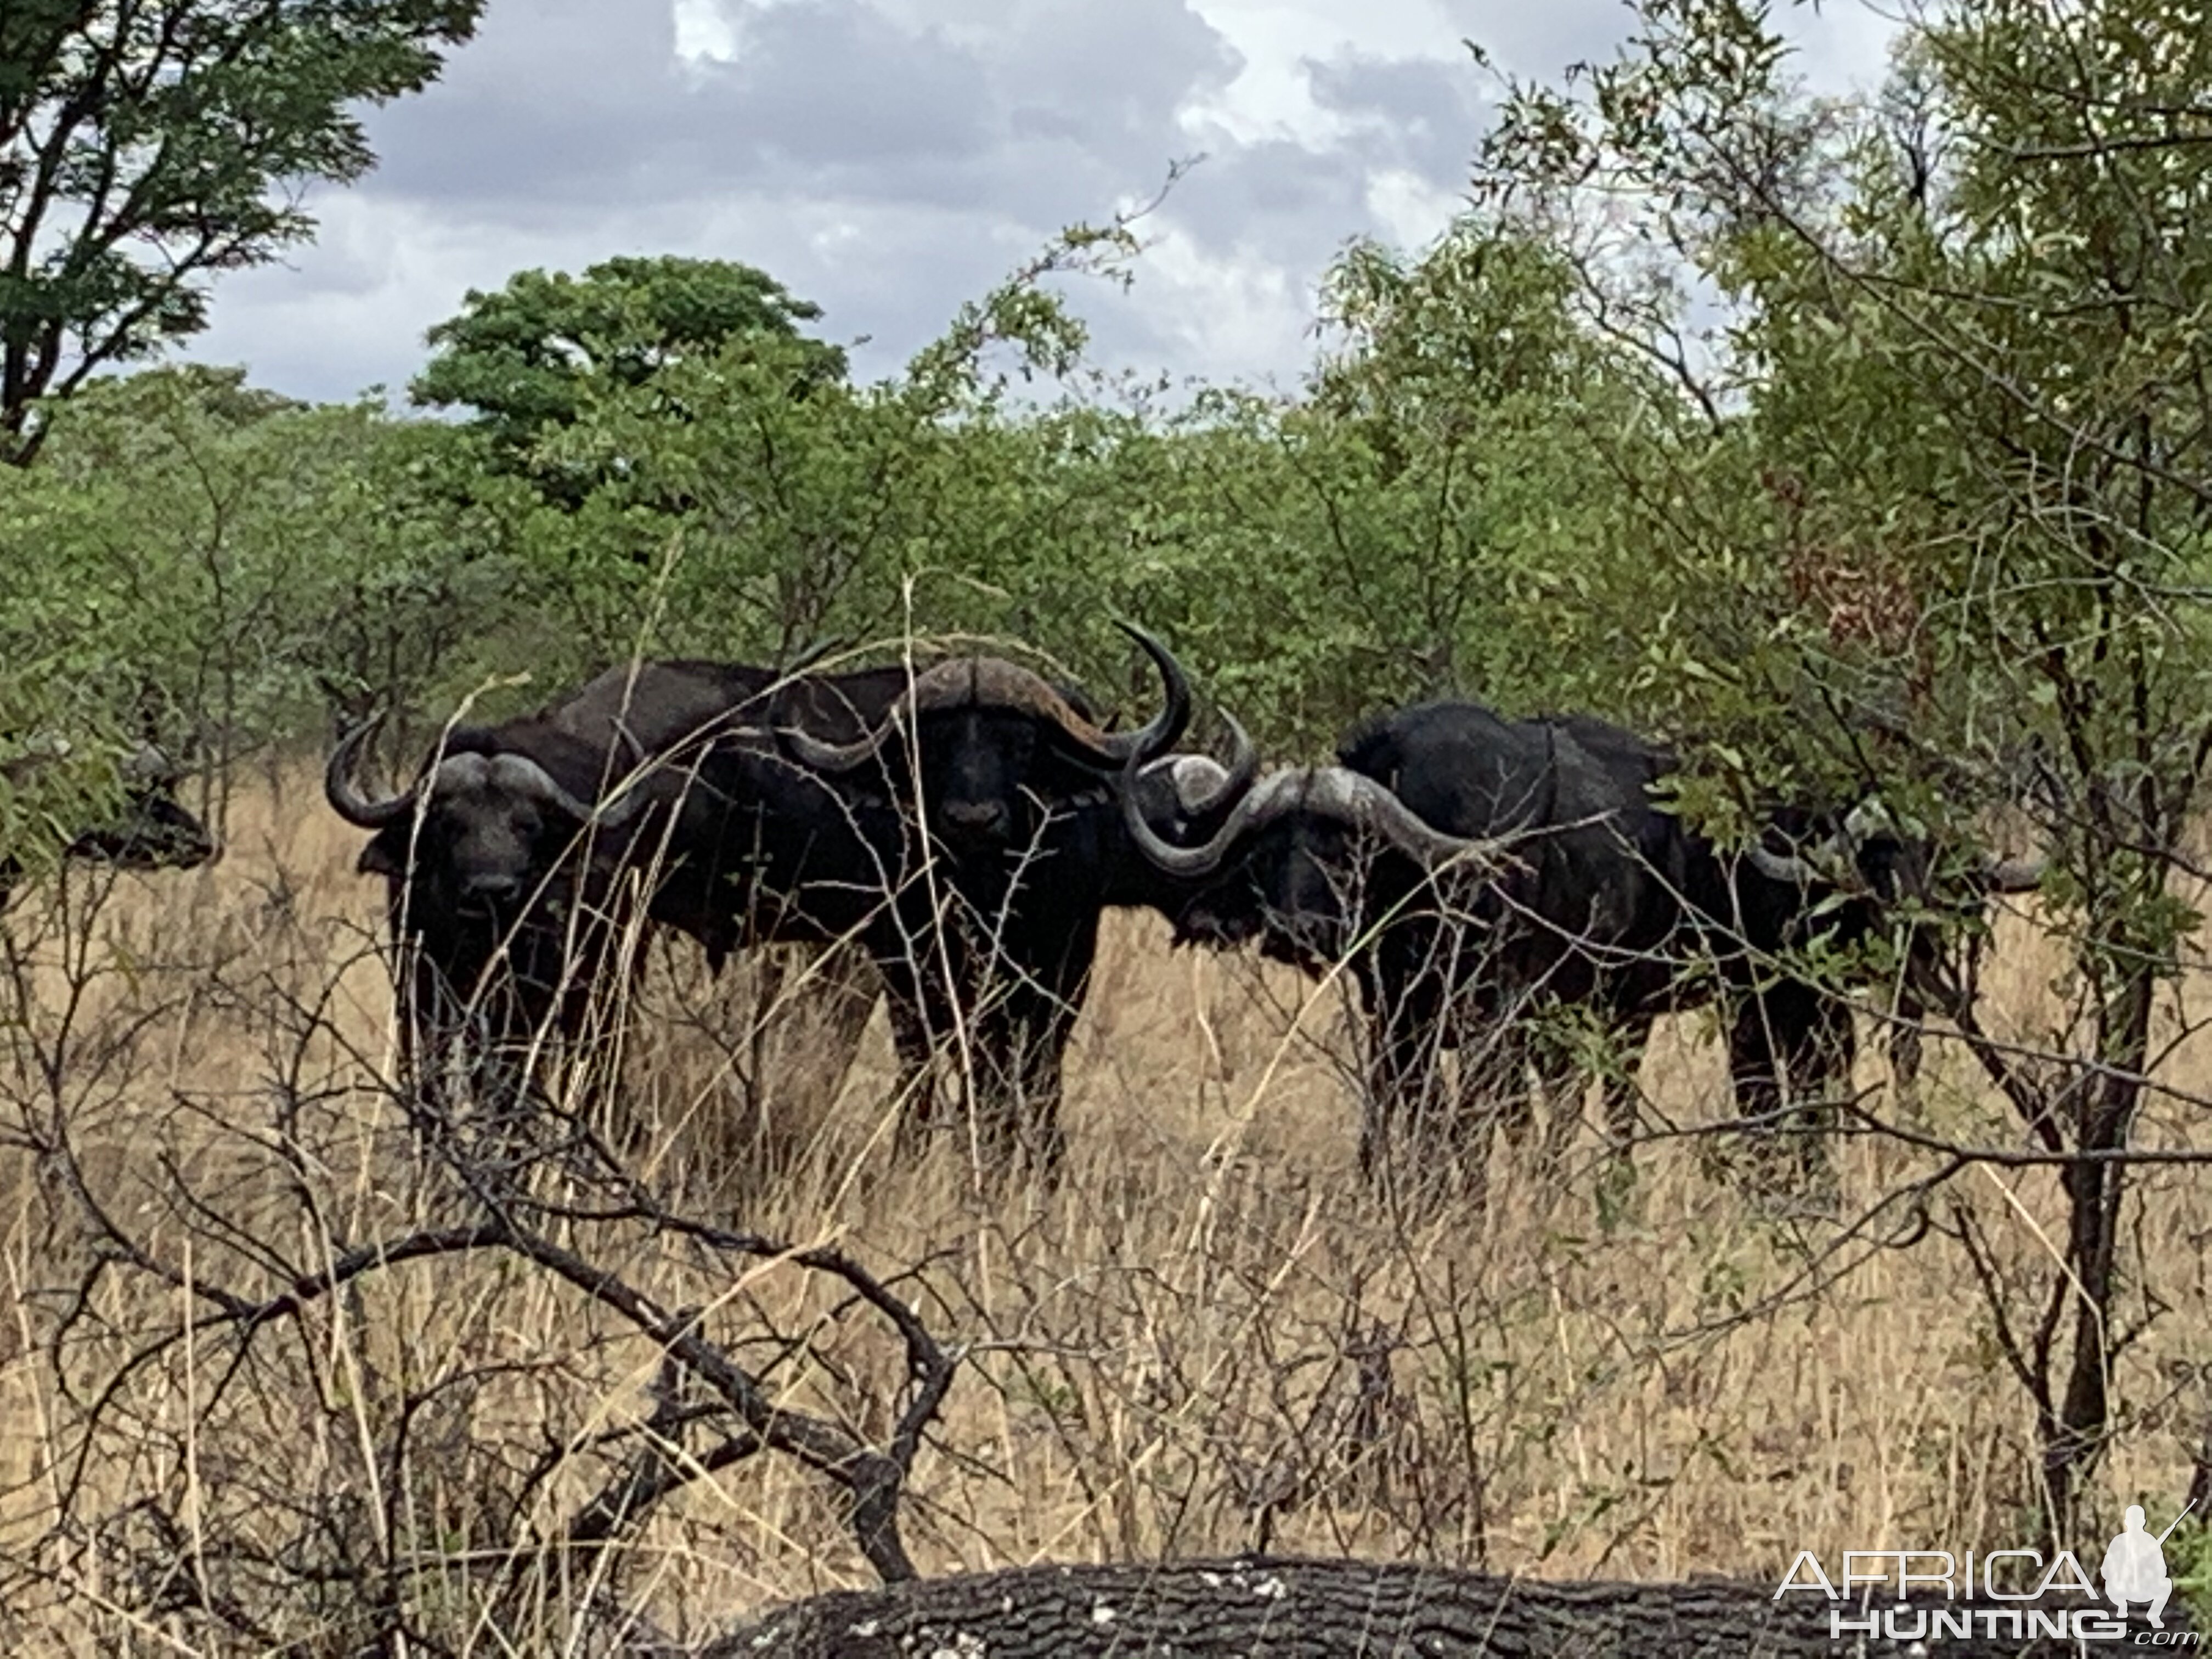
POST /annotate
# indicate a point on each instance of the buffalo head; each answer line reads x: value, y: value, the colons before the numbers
x: 1872, y: 857
x: 988, y: 743
x: 483, y: 826
x: 1292, y: 861
x: 149, y: 829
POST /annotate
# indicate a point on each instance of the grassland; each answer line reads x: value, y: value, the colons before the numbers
x: 1211, y: 1337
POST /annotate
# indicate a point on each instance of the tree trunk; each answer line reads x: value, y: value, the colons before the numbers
x: 1336, y: 1609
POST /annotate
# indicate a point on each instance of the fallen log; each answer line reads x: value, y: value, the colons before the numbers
x: 1267, y: 1608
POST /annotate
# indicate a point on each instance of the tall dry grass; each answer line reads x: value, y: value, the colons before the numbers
x: 1210, y: 1337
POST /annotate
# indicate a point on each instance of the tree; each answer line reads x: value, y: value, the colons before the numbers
x: 530, y: 356
x: 1452, y: 495
x: 202, y: 564
x: 1941, y: 538
x: 146, y: 145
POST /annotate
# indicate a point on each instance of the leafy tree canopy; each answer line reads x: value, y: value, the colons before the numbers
x: 530, y: 356
x: 147, y: 144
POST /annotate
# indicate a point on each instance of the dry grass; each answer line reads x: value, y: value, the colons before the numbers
x: 1210, y: 1338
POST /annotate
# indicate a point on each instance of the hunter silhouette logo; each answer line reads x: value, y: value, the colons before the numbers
x: 2005, y: 1594
x: 2135, y: 1565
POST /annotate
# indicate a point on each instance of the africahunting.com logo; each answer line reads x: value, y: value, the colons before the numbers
x: 2063, y: 1604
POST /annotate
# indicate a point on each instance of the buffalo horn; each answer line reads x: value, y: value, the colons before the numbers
x: 1336, y: 792
x: 945, y: 684
x: 997, y: 684
x: 2014, y: 875
x: 1203, y: 786
x: 526, y: 776
x: 1273, y: 795
x: 1159, y: 734
x: 1791, y: 871
x: 346, y: 799
x: 1358, y: 799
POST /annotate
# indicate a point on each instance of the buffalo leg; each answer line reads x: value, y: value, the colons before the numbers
x: 809, y: 1020
x: 916, y: 1056
x: 915, y: 1023
x: 920, y: 1015
x: 1417, y: 1135
x: 1790, y: 1049
x: 1400, y: 1066
x: 1907, y: 1049
x: 1026, y: 1045
x: 1623, y: 1098
x: 1023, y: 1043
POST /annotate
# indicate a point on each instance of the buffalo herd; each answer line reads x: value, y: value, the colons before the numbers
x: 965, y: 823
x: 1491, y: 885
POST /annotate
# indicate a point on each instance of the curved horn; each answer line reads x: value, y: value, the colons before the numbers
x: 347, y: 800
x: 1202, y: 786
x: 1193, y: 779
x: 1203, y: 792
x: 626, y: 800
x: 521, y: 773
x: 934, y: 688
x: 1338, y: 791
x: 823, y: 756
x: 1017, y: 688
x: 1275, y: 794
x: 1791, y: 871
x: 1157, y: 735
x: 1360, y: 801
x: 2014, y: 875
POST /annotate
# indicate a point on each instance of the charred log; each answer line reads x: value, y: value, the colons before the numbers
x: 1326, y: 1609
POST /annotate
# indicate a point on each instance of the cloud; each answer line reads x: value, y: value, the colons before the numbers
x: 889, y: 159
x: 1419, y: 113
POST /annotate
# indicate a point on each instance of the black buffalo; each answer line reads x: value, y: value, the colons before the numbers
x: 149, y: 829
x: 525, y: 860
x: 1471, y: 869
x: 948, y: 820
x: 1005, y: 807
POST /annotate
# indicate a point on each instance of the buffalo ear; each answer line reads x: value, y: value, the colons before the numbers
x: 379, y: 860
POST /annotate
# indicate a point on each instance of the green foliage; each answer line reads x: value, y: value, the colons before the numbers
x: 1861, y: 448
x: 2188, y: 1564
x: 144, y: 147
x: 204, y: 564
x: 1939, y: 531
x: 530, y: 358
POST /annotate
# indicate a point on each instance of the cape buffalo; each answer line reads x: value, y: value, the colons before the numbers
x: 1005, y: 808
x: 149, y: 829
x: 952, y: 820
x: 1469, y: 869
x: 526, y: 859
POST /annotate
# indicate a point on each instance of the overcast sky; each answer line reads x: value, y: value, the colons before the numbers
x: 888, y: 159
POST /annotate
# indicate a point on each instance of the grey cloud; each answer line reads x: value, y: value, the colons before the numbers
x: 839, y: 85
x: 1421, y: 113
x: 829, y: 97
x: 1542, y: 39
x: 1117, y: 74
x: 1272, y: 198
x: 557, y: 98
x: 887, y: 159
